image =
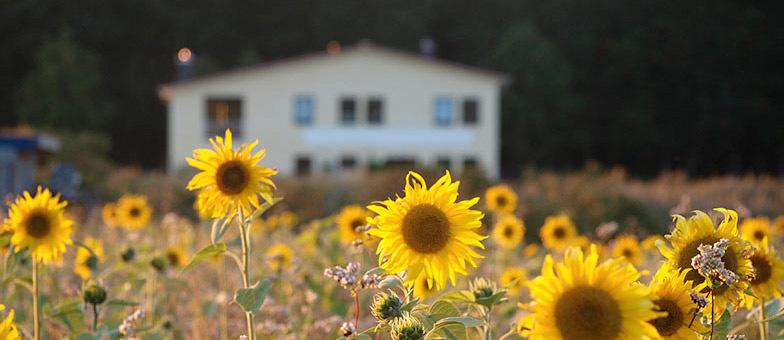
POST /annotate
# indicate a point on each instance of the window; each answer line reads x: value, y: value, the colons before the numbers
x: 222, y: 114
x: 470, y: 111
x: 401, y: 163
x: 470, y: 164
x: 444, y: 111
x: 304, y: 110
x: 303, y: 165
x: 375, y: 111
x: 348, y: 162
x: 443, y: 163
x: 348, y: 111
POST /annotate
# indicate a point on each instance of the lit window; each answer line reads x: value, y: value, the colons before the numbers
x: 304, y: 110
x: 375, y: 111
x: 348, y: 111
x: 223, y: 114
x: 470, y: 111
x: 444, y: 110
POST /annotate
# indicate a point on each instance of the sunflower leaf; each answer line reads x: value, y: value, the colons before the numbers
x: 721, y: 329
x: 270, y: 201
x: 459, y: 296
x: 251, y: 299
x: 218, y: 228
x: 206, y: 252
x: 463, y: 320
x: 443, y: 309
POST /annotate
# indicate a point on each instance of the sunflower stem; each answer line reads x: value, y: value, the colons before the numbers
x: 95, y: 317
x: 246, y: 269
x: 488, y: 330
x: 712, y: 312
x: 356, y: 316
x: 763, y: 333
x: 36, y: 312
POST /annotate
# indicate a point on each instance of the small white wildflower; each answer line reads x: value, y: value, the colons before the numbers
x: 698, y: 300
x: 347, y: 329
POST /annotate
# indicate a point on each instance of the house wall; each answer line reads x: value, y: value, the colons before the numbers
x: 408, y: 87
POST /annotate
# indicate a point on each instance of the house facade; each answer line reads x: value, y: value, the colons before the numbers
x: 365, y: 105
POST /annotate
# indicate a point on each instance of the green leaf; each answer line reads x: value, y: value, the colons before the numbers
x: 390, y: 281
x: 459, y: 296
x: 443, y: 309
x: 721, y: 329
x: 270, y: 201
x: 448, y: 332
x: 463, y: 320
x: 206, y: 252
x: 219, y: 228
x: 251, y: 299
x: 5, y: 240
x: 491, y: 301
x: 748, y: 291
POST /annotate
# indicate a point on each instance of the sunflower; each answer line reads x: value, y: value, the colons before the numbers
x: 428, y: 231
x: 769, y: 272
x: 778, y: 224
x: 756, y: 229
x: 289, y: 219
x: 133, y: 211
x: 175, y: 257
x: 672, y: 297
x: 230, y: 179
x: 699, y: 229
x: 510, y: 275
x: 350, y: 222
x: 39, y: 223
x: 589, y: 301
x: 109, y: 214
x: 86, y: 262
x: 501, y: 199
x: 558, y: 232
x: 628, y: 248
x: 531, y: 250
x: 649, y: 243
x: 508, y: 231
x: 422, y: 288
x: 8, y: 330
x: 278, y: 256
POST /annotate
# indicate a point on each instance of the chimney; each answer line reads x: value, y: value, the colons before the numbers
x: 428, y: 47
x: 184, y: 63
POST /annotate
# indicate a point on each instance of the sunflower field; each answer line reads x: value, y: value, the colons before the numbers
x: 229, y: 251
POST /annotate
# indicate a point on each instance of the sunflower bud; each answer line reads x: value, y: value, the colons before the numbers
x: 386, y: 307
x: 158, y: 263
x: 406, y: 328
x: 127, y: 255
x: 94, y: 294
x: 483, y: 288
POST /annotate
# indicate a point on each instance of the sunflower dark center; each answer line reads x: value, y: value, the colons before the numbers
x: 356, y: 224
x: 559, y: 232
x: 762, y: 269
x: 232, y: 177
x: 135, y: 212
x: 91, y: 262
x: 759, y: 235
x: 690, y: 250
x: 670, y: 324
x: 508, y: 231
x: 627, y: 253
x: 588, y: 313
x: 501, y: 201
x: 173, y: 258
x: 38, y: 225
x: 425, y: 228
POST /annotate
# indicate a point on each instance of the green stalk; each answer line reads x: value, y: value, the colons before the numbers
x: 245, y: 269
x: 36, y: 312
x: 95, y: 317
x: 763, y: 333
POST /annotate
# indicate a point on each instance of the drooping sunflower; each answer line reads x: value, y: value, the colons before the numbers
x: 422, y: 288
x: 109, y: 214
x: 350, y: 221
x: 86, y: 262
x: 755, y: 229
x: 40, y: 223
x: 428, y: 231
x: 580, y: 299
x: 672, y: 297
x: 501, y: 199
x: 628, y: 248
x: 9, y: 331
x: 699, y: 229
x: 508, y: 231
x: 558, y: 232
x: 230, y: 179
x: 769, y: 272
x: 510, y: 275
x: 133, y: 211
x: 279, y: 256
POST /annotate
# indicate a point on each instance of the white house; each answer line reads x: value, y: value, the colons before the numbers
x: 363, y: 105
